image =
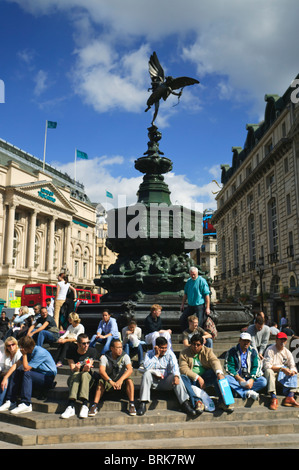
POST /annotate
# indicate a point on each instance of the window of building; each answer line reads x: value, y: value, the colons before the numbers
x: 288, y: 204
x: 286, y: 165
x: 85, y: 270
x: 223, y: 252
x: 76, y: 268
x: 270, y: 179
x: 236, y: 248
x: 268, y: 147
x: 273, y: 226
x: 251, y: 235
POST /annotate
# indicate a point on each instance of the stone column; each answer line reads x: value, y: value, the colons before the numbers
x: 67, y: 247
x: 31, y: 240
x: 51, y: 245
x: 10, y: 225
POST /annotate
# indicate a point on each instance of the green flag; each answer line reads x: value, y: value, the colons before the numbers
x: 109, y: 194
x: 51, y: 125
x: 82, y: 155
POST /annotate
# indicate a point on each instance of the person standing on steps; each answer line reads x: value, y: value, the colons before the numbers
x: 62, y: 288
x: 197, y: 292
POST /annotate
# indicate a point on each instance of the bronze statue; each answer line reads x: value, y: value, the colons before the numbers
x: 163, y: 86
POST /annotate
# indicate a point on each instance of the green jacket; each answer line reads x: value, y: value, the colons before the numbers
x: 232, y: 363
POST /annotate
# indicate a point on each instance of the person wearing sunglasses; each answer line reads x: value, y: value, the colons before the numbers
x: 81, y: 359
x: 10, y: 355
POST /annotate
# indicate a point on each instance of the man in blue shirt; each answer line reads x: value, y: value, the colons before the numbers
x: 36, y: 368
x: 197, y: 293
x: 107, y: 330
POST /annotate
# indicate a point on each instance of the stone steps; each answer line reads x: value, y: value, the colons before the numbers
x: 164, y: 426
x: 119, y: 428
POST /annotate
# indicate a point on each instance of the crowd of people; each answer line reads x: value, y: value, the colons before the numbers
x: 252, y: 365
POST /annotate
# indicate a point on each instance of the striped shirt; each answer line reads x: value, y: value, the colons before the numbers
x: 166, y: 364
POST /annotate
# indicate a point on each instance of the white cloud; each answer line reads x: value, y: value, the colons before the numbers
x: 251, y: 46
x: 107, y: 81
x: 40, y: 82
x: 96, y: 175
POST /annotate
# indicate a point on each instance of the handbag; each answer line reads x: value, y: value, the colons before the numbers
x: 210, y: 327
x: 205, y: 398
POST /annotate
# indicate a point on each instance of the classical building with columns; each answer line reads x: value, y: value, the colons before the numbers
x: 46, y: 222
x: 257, y: 215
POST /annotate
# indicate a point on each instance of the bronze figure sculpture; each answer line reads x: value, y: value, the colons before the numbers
x: 163, y: 86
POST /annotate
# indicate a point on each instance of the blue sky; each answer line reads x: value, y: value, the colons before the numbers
x: 84, y: 64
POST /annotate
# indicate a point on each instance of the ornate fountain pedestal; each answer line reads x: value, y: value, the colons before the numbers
x: 152, y: 239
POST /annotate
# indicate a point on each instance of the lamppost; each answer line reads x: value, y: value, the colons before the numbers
x: 260, y: 269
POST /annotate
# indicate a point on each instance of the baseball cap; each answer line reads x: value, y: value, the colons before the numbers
x: 281, y: 335
x: 245, y: 335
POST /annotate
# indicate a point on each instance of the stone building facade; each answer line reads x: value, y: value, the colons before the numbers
x: 46, y: 222
x: 257, y: 215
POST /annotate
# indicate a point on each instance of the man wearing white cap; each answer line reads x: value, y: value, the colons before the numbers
x: 244, y: 369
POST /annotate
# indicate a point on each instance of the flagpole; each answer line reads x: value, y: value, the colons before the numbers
x: 75, y: 162
x: 45, y: 143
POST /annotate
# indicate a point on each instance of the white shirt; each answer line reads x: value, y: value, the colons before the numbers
x: 64, y: 287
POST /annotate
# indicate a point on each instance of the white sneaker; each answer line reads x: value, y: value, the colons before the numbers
x: 21, y: 408
x: 252, y: 394
x: 68, y: 413
x: 84, y: 412
x: 5, y: 406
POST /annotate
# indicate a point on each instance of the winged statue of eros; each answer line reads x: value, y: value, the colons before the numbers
x: 163, y: 86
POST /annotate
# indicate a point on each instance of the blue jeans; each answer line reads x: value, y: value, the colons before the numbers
x: 210, y: 379
x: 21, y: 384
x: 45, y: 336
x: 105, y: 341
x: 258, y: 384
x: 3, y: 393
x: 197, y: 310
x: 128, y: 347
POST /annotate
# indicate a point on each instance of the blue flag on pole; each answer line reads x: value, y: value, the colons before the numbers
x: 82, y: 155
x: 109, y: 194
x: 51, y: 125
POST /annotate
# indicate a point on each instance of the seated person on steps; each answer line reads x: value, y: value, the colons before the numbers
x: 115, y: 371
x: 35, y: 369
x: 81, y: 361
x: 199, y: 366
x: 244, y: 369
x: 162, y: 373
x: 279, y: 365
x: 131, y: 336
x: 153, y: 327
x: 74, y: 329
x: 106, y: 332
x: 193, y: 329
x: 44, y: 329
